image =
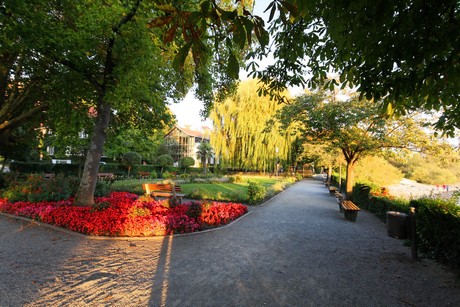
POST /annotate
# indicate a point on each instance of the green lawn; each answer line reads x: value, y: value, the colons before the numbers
x: 236, y: 191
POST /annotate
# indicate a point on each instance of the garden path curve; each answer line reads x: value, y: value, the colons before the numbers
x: 296, y: 250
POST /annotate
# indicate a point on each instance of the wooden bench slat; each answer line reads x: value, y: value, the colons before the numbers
x: 348, y: 205
x: 163, y: 190
x: 350, y: 210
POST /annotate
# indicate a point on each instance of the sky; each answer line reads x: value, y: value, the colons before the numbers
x: 188, y: 110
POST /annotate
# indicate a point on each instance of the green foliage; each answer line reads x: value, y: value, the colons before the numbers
x: 35, y: 189
x: 384, y: 48
x: 204, y: 152
x: 130, y: 159
x: 438, y: 229
x: 430, y: 169
x: 186, y: 162
x: 240, y: 136
x: 354, y: 127
x: 238, y: 178
x: 437, y: 222
x: 44, y: 167
x: 379, y: 205
x: 378, y: 171
x: 142, y: 141
x: 185, y: 177
x: 168, y: 175
x: 256, y: 193
x: 231, y: 179
x: 164, y: 161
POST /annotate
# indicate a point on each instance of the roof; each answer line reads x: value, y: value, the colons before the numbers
x: 190, y: 132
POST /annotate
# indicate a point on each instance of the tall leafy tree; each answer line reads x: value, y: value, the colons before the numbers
x: 119, y: 67
x: 354, y: 126
x: 239, y: 135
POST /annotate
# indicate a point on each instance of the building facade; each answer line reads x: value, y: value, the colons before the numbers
x: 184, y: 142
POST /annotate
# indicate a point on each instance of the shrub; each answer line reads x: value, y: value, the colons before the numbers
x: 168, y: 175
x: 35, y: 189
x: 185, y: 177
x: 186, y: 162
x: 153, y: 174
x: 256, y: 192
x: 231, y: 179
x: 238, y: 178
x: 438, y: 229
x: 130, y: 159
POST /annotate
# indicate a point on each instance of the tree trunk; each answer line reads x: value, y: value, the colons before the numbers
x: 85, y: 194
x: 205, y: 165
x: 329, y: 173
x: 350, y: 180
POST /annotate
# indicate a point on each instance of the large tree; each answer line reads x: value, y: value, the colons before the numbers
x: 353, y: 126
x: 240, y: 136
x: 119, y: 67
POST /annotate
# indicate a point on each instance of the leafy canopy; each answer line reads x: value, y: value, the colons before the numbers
x: 402, y: 53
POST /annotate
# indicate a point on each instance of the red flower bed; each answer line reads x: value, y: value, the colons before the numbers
x: 124, y: 214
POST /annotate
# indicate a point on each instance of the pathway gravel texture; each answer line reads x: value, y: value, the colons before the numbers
x: 296, y: 250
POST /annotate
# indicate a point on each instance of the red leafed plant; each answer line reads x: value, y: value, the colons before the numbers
x: 124, y: 214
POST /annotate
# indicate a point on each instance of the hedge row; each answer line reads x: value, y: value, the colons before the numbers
x: 438, y: 222
x: 73, y: 169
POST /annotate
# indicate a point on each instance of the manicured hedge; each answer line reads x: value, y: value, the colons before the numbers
x: 438, y: 229
x: 44, y: 167
x: 437, y: 220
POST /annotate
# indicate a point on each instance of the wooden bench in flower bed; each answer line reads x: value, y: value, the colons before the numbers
x: 163, y: 190
x: 350, y: 210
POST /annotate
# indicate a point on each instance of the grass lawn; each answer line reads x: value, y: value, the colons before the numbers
x: 217, y: 191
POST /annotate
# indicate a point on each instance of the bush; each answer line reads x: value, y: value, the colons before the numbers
x: 238, y: 178
x: 186, y: 162
x: 168, y: 175
x: 438, y: 229
x: 256, y: 192
x: 185, y: 177
x: 35, y: 189
x: 231, y: 179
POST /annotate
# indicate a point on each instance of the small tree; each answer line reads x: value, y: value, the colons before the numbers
x: 164, y: 161
x: 186, y: 162
x: 130, y: 159
x: 204, y: 153
x: 355, y: 127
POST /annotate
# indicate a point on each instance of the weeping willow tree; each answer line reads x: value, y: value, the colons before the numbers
x: 240, y: 136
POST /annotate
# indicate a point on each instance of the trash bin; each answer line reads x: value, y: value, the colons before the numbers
x: 397, y: 224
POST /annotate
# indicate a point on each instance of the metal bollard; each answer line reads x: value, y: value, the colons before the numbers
x: 413, y: 234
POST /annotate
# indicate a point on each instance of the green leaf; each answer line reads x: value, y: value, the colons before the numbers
x: 239, y: 35
x: 181, y: 56
x: 233, y: 67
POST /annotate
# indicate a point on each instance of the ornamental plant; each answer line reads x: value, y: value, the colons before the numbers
x: 125, y: 214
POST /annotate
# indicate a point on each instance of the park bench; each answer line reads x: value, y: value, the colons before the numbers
x: 143, y: 175
x: 332, y: 190
x: 105, y: 176
x: 48, y: 176
x: 350, y: 210
x: 339, y: 198
x: 163, y: 190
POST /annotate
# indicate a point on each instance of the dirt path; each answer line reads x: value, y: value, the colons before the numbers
x: 297, y: 250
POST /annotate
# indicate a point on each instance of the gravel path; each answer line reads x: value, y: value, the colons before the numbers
x: 296, y: 250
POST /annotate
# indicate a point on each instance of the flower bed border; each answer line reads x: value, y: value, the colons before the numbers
x: 92, y: 237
